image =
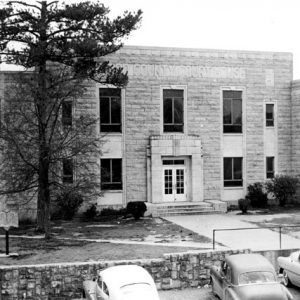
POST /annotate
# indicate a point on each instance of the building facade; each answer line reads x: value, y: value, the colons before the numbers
x: 195, y: 126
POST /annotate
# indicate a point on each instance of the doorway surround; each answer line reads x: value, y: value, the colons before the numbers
x: 174, y: 146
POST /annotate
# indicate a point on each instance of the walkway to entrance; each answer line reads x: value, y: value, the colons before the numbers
x: 261, y: 239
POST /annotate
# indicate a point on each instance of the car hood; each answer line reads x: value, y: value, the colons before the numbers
x: 267, y: 291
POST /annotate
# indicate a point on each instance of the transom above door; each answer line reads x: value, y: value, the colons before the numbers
x: 174, y: 180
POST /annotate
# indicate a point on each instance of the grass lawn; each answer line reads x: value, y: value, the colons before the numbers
x: 74, y: 248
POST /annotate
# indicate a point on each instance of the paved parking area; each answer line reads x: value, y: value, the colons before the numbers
x: 203, y: 294
x: 188, y: 294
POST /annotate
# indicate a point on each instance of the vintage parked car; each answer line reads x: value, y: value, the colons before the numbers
x: 247, y: 277
x: 289, y: 267
x: 124, y: 282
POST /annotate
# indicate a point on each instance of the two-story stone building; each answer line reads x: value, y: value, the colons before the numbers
x: 195, y: 126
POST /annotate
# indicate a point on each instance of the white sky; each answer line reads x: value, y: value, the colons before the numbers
x: 263, y: 25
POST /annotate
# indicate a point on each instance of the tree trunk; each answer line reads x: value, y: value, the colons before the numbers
x: 43, y: 217
x: 43, y: 205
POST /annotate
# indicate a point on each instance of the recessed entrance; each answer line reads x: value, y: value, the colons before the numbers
x: 174, y: 180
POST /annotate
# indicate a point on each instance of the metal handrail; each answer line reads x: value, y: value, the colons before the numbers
x: 247, y: 228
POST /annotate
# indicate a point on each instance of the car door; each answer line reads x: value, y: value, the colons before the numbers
x: 227, y: 284
x: 218, y: 279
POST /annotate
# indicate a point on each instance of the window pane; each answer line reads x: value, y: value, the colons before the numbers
x: 169, y: 93
x: 227, y: 111
x: 173, y: 128
x: 270, y: 167
x: 111, y: 174
x: 115, y: 110
x: 105, y: 170
x: 233, y: 183
x: 237, y: 95
x: 269, y: 114
x: 168, y: 110
x: 67, y: 113
x: 108, y: 92
x: 232, y: 128
x: 104, y: 111
x: 68, y: 166
x: 232, y: 111
x: 67, y: 170
x: 228, y: 94
x: 227, y: 168
x: 237, y: 112
x: 237, y: 168
x: 116, y: 170
x: 110, y: 110
x: 178, y: 110
x: 173, y: 110
x: 270, y: 163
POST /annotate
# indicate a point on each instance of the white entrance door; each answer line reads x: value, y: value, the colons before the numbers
x: 174, y: 178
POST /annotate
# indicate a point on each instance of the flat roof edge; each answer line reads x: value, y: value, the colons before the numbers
x: 187, y: 49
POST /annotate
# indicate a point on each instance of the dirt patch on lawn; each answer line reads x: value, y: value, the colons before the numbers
x: 146, y: 229
x: 69, y: 245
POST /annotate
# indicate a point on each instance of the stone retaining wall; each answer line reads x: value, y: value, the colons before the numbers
x: 64, y: 281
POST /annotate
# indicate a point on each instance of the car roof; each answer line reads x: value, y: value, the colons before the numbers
x: 121, y: 275
x: 242, y: 263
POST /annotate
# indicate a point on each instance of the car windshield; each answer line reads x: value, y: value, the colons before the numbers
x: 256, y: 277
x: 138, y: 291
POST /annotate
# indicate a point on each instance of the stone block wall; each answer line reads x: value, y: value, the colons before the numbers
x: 64, y: 281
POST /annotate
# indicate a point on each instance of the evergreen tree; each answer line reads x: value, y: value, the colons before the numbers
x: 63, y: 45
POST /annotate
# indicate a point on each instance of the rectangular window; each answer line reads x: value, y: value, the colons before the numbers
x: 173, y: 110
x: 68, y: 170
x: 111, y: 174
x: 232, y: 111
x: 270, y: 115
x: 67, y: 107
x: 110, y: 110
x: 233, y: 171
x: 270, y: 172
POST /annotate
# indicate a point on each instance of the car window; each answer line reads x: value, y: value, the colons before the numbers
x: 103, y: 287
x: 256, y: 277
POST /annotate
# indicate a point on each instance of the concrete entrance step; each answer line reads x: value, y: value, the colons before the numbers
x: 186, y: 208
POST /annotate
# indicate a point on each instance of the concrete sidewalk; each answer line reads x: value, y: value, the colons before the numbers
x: 258, y: 239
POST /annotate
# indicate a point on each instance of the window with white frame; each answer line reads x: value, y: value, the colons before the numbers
x: 233, y: 171
x: 270, y: 115
x: 232, y: 111
x: 111, y: 174
x: 270, y: 168
x: 110, y: 110
x: 173, y: 110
